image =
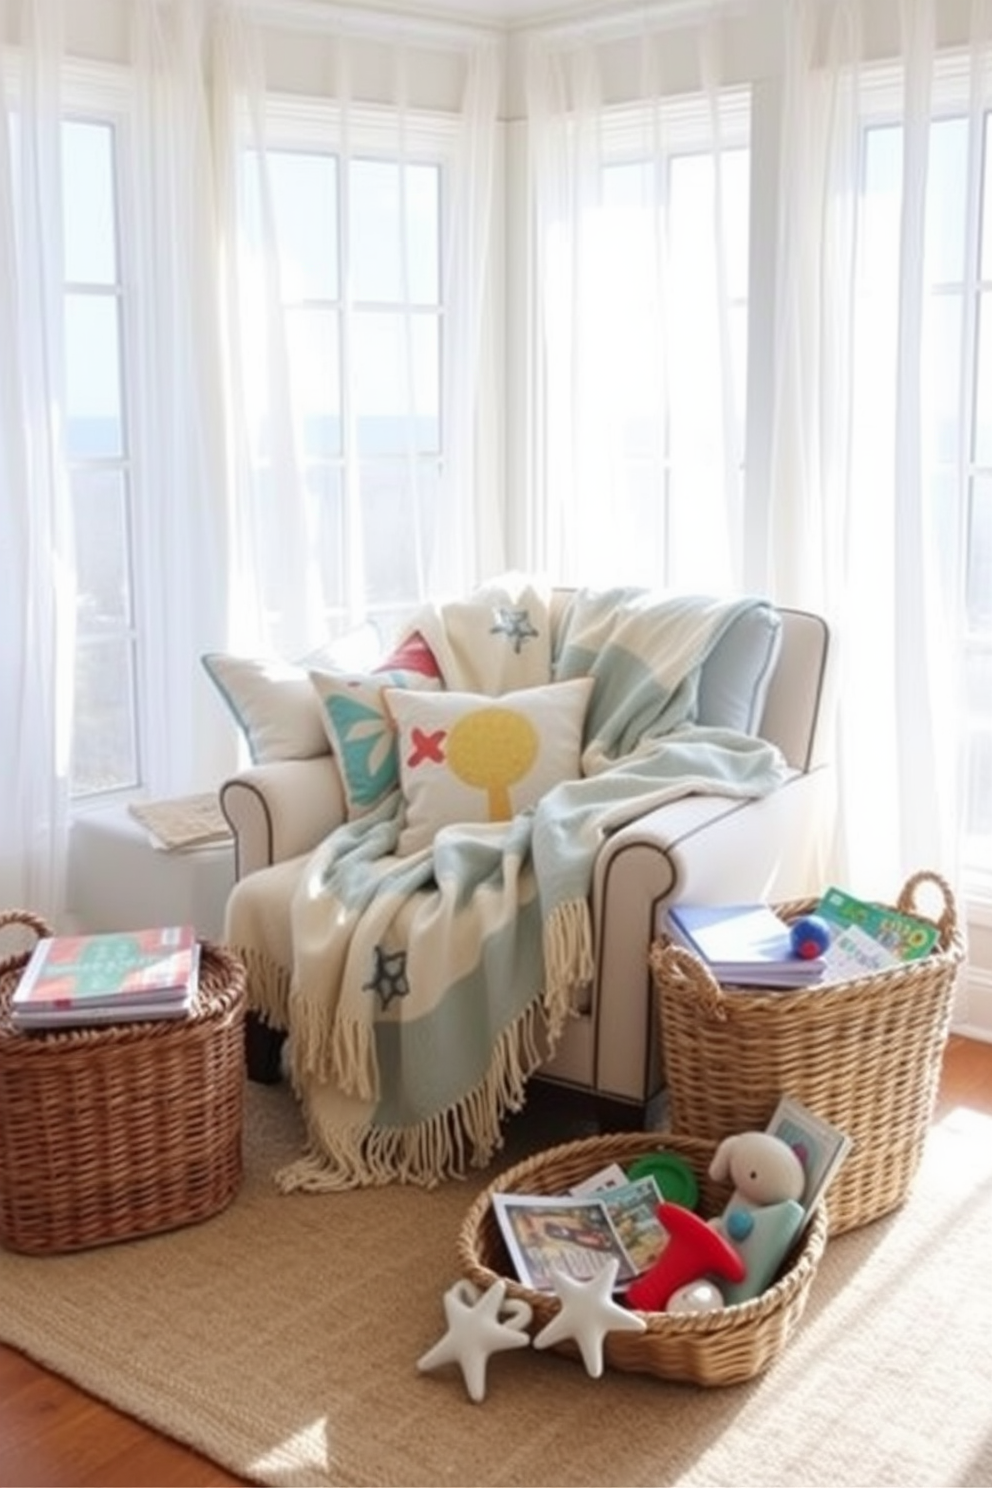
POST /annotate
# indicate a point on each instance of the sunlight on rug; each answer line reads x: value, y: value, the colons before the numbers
x: 280, y: 1338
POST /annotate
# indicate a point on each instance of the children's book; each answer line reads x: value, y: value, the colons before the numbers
x: 580, y: 1233
x: 905, y: 936
x: 821, y: 1147
x: 853, y: 953
x: 743, y: 944
x: 115, y: 977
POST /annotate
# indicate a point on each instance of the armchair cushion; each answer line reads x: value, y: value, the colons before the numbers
x: 469, y: 757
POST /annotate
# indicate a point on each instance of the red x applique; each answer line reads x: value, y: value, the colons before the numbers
x: 426, y: 747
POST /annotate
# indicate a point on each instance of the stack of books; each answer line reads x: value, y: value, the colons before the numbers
x: 749, y: 945
x: 745, y: 945
x: 119, y: 977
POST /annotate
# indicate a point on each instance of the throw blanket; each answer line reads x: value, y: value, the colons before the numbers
x: 423, y: 987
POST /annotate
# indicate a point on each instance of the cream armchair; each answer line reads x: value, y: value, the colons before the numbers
x: 706, y: 848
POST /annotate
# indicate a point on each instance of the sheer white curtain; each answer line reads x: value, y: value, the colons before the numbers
x: 37, y: 598
x: 639, y: 204
x: 221, y: 559
x: 310, y: 525
x: 169, y: 351
x: 866, y: 503
x: 174, y: 393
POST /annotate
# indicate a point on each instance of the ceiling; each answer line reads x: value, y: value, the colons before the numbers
x: 503, y: 12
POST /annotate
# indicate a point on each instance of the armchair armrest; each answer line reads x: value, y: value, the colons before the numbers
x: 279, y: 810
x: 711, y: 848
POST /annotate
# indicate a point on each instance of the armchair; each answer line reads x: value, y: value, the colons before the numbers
x: 705, y: 847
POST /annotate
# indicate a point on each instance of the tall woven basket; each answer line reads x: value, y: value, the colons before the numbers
x: 864, y: 1054
x: 119, y: 1131
x: 723, y: 1347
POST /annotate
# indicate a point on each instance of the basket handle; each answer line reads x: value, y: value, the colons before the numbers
x: 24, y: 917
x: 947, y: 920
x: 674, y: 963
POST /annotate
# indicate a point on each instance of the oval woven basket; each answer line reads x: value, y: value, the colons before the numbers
x: 724, y: 1347
x: 864, y: 1054
x: 121, y: 1130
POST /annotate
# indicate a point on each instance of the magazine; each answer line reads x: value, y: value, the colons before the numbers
x: 580, y: 1233
x: 113, y: 977
x: 906, y: 936
x: 821, y: 1147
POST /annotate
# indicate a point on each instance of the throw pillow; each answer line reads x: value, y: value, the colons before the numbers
x: 497, y: 640
x: 734, y: 680
x: 360, y: 730
x: 469, y: 757
x: 272, y: 703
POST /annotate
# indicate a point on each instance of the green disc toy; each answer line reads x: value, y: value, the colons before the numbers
x: 674, y: 1176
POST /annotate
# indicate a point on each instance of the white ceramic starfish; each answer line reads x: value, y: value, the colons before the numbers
x: 587, y: 1313
x: 479, y: 1324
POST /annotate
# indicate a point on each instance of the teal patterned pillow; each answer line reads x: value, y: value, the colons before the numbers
x: 361, y: 733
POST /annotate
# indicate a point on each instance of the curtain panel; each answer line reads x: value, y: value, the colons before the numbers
x: 872, y: 472
x: 228, y: 542
x: 37, y: 595
x: 830, y: 466
x: 637, y: 337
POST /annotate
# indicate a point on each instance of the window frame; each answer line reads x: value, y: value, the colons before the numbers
x: 365, y: 131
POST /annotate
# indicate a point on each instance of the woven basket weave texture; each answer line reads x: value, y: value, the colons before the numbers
x: 864, y: 1054
x: 724, y: 1347
x: 114, y: 1132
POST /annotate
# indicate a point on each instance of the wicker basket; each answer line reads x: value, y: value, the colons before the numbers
x: 864, y: 1054
x: 114, y: 1132
x: 724, y: 1347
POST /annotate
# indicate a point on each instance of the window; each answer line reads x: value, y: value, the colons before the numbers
x: 956, y: 400
x: 646, y: 281
x: 357, y: 238
x: 106, y: 741
x: 978, y: 842
x: 345, y: 452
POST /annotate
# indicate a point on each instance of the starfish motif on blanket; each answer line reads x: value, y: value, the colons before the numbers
x: 587, y: 1313
x: 515, y: 625
x: 389, y: 976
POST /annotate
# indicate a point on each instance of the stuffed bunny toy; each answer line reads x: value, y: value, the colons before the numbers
x: 764, y: 1213
x: 762, y: 1168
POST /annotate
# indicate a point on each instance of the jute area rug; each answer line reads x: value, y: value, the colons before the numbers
x: 281, y: 1337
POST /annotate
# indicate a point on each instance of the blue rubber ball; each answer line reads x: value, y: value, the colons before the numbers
x: 809, y: 937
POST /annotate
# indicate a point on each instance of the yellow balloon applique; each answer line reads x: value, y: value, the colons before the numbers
x: 492, y: 749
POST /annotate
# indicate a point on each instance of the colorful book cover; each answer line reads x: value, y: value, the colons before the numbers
x: 72, y: 972
x: 820, y: 1145
x: 572, y: 1234
x: 904, y: 935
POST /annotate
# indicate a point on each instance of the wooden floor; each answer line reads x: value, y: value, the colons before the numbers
x: 54, y: 1436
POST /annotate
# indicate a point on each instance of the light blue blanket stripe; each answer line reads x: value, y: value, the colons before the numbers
x: 640, y: 725
x: 624, y: 639
x: 573, y: 820
x: 450, y: 1045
